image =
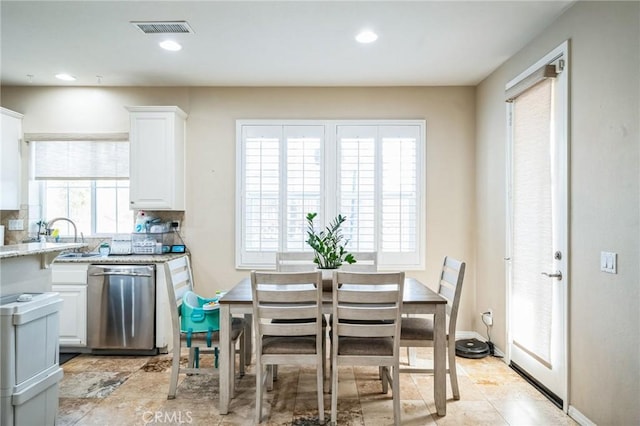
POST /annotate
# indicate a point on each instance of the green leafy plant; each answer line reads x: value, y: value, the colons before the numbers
x: 330, y: 252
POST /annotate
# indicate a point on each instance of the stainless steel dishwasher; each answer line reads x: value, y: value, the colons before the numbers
x: 121, y: 308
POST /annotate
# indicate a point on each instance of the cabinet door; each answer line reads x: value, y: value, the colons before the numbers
x: 73, y: 315
x: 10, y: 160
x: 157, y: 159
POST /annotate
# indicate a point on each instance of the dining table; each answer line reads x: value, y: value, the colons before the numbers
x: 417, y: 299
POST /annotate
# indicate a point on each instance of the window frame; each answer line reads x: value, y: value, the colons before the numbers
x: 40, y: 183
x: 330, y: 167
x: 92, y: 185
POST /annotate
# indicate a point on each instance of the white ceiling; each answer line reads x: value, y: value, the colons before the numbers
x: 266, y: 43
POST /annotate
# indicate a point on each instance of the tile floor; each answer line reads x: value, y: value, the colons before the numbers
x: 127, y: 390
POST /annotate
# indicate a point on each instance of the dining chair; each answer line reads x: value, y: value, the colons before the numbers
x: 418, y: 331
x: 366, y: 261
x: 179, y: 282
x: 287, y: 318
x: 366, y: 328
x: 294, y: 261
x: 297, y: 261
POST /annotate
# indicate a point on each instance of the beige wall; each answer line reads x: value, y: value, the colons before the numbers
x: 209, y: 221
x: 604, y: 314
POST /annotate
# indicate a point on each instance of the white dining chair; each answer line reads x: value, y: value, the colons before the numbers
x: 418, y: 331
x: 294, y: 261
x: 366, y: 328
x: 179, y: 282
x: 287, y: 318
x: 366, y: 261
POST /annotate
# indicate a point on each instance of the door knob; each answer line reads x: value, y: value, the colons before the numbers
x: 557, y: 275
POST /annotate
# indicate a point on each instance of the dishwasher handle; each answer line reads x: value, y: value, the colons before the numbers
x: 125, y: 274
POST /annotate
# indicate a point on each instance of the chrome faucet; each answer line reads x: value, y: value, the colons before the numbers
x: 75, y: 229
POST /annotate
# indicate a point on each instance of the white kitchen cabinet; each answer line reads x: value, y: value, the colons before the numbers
x: 157, y: 156
x: 10, y: 160
x: 70, y: 281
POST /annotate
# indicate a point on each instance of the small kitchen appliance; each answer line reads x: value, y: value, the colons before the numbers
x: 121, y: 245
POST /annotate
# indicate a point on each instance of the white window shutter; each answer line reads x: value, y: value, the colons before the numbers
x: 370, y: 171
x: 261, y: 191
x: 357, y: 185
x: 303, y: 182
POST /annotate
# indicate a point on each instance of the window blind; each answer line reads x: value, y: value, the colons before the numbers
x: 81, y: 160
x: 532, y: 219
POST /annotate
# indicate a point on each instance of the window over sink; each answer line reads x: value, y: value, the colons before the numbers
x: 85, y: 179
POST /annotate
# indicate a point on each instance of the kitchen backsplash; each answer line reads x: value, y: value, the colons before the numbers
x: 30, y: 231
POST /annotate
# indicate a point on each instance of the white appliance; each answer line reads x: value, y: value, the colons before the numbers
x: 29, y: 369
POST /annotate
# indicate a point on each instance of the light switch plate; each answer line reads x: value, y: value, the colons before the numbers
x: 16, y: 225
x: 609, y: 262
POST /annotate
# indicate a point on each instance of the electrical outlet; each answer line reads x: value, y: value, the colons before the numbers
x: 487, y: 317
x: 16, y: 225
x: 175, y: 225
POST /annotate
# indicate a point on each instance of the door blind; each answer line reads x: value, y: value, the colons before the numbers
x: 532, y: 219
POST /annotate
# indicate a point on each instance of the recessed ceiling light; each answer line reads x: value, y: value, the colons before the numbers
x: 170, y: 45
x: 65, y: 77
x: 366, y: 36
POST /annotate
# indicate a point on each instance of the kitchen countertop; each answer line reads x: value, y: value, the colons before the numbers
x: 28, y: 249
x: 124, y: 259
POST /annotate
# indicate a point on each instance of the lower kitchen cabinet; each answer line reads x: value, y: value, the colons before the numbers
x: 70, y: 281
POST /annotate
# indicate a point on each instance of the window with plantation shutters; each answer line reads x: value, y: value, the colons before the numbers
x: 370, y: 171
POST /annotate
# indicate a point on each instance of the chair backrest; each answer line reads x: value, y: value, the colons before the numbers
x: 366, y: 261
x: 450, y: 288
x: 294, y: 261
x: 179, y: 281
x: 287, y: 297
x: 368, y: 305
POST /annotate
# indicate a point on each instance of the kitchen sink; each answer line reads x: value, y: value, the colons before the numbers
x: 77, y: 255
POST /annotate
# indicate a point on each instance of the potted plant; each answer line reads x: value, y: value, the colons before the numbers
x: 330, y: 252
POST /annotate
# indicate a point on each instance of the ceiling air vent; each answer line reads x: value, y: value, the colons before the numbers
x: 164, y: 27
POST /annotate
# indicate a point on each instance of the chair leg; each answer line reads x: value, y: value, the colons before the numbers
x: 453, y: 372
x: 320, y: 388
x: 324, y: 350
x: 175, y: 369
x: 334, y: 393
x: 384, y: 371
x: 232, y: 352
x: 270, y: 369
x: 395, y: 383
x: 259, y: 384
x: 242, y: 355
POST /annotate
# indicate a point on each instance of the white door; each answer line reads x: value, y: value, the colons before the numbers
x: 538, y: 211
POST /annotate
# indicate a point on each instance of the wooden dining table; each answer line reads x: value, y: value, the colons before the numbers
x: 418, y: 299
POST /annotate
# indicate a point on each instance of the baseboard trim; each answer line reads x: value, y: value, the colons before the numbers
x: 576, y: 415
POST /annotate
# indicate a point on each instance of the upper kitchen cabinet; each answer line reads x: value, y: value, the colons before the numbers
x: 10, y: 160
x: 157, y: 138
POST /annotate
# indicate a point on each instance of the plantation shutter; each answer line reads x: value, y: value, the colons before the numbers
x: 303, y: 182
